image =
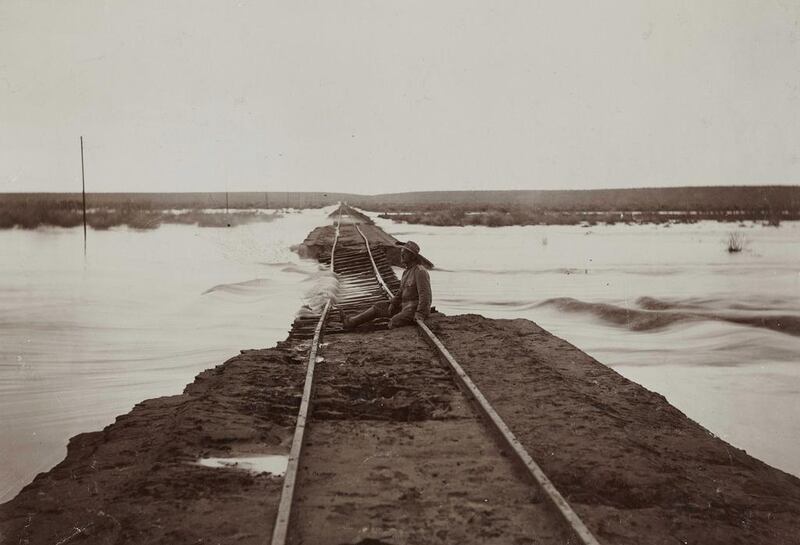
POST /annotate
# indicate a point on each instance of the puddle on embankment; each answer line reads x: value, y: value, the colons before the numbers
x: 274, y: 464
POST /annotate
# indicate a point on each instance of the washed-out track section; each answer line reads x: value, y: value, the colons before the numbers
x: 358, y: 287
x: 398, y: 451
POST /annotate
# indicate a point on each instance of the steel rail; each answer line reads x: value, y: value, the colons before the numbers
x: 507, y: 437
x: 503, y: 432
x: 378, y: 274
x: 281, y: 528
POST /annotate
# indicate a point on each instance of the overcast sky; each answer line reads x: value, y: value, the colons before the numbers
x: 387, y: 96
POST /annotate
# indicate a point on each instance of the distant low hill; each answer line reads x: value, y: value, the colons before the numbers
x: 765, y: 198
x: 240, y: 200
x: 751, y: 198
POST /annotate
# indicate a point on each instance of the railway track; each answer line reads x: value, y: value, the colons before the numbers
x: 366, y: 277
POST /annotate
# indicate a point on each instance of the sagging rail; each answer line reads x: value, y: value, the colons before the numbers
x: 281, y: 528
x: 366, y: 279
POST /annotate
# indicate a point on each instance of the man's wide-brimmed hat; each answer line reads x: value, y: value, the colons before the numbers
x: 413, y: 247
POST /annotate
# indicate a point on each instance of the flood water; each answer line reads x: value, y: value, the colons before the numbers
x: 717, y: 334
x: 83, y: 341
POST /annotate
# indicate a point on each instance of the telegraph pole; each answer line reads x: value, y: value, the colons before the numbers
x: 83, y: 193
x: 226, y: 195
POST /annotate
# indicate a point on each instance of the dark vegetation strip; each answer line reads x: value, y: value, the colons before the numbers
x: 33, y: 216
x: 149, y: 210
x: 505, y: 216
x: 768, y: 204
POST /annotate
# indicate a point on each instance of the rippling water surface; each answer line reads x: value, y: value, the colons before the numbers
x: 718, y: 334
x: 83, y: 341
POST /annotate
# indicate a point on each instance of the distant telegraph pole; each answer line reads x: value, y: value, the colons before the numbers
x: 83, y: 192
x: 226, y: 195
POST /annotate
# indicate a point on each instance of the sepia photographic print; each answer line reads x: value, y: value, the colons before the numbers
x: 399, y: 273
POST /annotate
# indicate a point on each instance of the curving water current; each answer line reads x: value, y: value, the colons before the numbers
x: 717, y: 334
x: 83, y: 341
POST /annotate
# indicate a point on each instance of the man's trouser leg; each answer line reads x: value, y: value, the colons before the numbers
x: 377, y: 310
x: 404, y: 317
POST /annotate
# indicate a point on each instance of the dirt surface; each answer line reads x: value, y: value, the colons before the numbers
x: 632, y: 465
x: 137, y: 481
x: 396, y: 454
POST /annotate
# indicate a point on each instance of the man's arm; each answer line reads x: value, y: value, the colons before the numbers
x: 396, y: 301
x: 424, y: 292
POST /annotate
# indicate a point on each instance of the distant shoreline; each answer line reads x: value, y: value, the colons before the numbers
x: 101, y: 219
x: 496, y: 218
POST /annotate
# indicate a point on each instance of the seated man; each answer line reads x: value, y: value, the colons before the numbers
x: 412, y: 301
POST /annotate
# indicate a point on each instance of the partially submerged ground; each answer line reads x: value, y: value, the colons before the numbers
x: 635, y: 468
x: 137, y: 481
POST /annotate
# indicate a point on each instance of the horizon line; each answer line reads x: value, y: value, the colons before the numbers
x: 179, y: 192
